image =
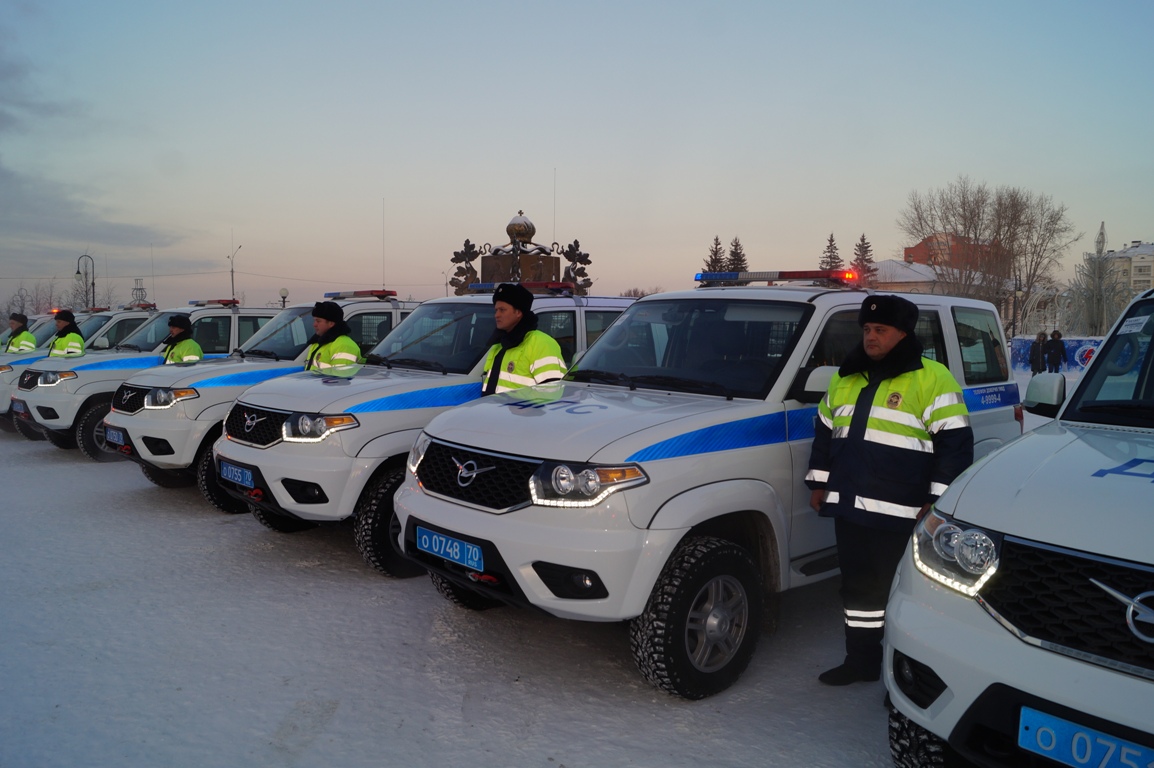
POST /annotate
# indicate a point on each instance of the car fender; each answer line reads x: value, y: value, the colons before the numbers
x: 214, y: 412
x: 387, y: 446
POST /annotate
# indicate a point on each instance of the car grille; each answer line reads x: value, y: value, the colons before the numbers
x: 1046, y: 594
x: 29, y: 380
x: 502, y: 485
x: 255, y: 426
x: 129, y: 399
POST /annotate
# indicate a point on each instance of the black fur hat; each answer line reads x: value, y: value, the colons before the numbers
x: 889, y: 310
x: 515, y: 295
x: 329, y: 310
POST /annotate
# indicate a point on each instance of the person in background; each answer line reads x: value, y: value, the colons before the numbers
x: 521, y: 355
x: 1037, y: 354
x: 180, y: 347
x: 892, y: 433
x: 68, y: 342
x: 21, y: 339
x: 331, y: 346
x: 1055, y: 350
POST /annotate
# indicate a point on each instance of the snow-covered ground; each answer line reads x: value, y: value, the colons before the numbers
x: 141, y: 627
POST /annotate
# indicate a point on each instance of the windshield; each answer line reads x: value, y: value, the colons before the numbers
x: 1118, y: 388
x: 43, y: 329
x: 713, y: 346
x: 149, y: 336
x: 443, y: 337
x: 285, y: 336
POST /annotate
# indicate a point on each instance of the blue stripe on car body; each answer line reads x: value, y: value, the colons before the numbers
x: 246, y: 378
x: 435, y: 397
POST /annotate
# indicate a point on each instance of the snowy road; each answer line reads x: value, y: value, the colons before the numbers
x: 140, y: 627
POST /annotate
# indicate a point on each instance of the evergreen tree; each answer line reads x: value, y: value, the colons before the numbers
x: 715, y: 261
x: 830, y: 259
x: 736, y: 261
x: 863, y: 263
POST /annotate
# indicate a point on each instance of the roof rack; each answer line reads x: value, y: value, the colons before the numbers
x: 840, y: 275
x: 221, y: 302
x: 378, y: 293
x: 547, y: 286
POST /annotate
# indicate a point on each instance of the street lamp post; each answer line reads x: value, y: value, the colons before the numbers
x: 83, y: 279
x: 231, y: 271
x: 283, y: 297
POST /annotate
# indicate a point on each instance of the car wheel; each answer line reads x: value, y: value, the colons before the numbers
x: 65, y: 440
x: 280, y: 523
x: 210, y: 488
x: 90, y: 433
x: 167, y: 478
x: 6, y: 422
x: 912, y: 746
x: 375, y: 526
x: 27, y: 431
x: 466, y: 598
x: 701, y: 624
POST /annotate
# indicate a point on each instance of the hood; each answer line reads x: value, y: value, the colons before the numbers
x: 225, y: 372
x: 1082, y: 487
x: 584, y: 422
x: 370, y: 388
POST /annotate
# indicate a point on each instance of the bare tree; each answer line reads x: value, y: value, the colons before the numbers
x: 637, y: 293
x: 1096, y: 297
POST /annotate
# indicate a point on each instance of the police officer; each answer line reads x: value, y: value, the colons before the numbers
x: 892, y: 433
x: 68, y: 342
x: 180, y: 347
x: 331, y: 344
x: 521, y: 356
x: 21, y: 339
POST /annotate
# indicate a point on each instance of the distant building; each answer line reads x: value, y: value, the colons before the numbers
x: 1134, y: 265
x: 944, y: 248
x: 904, y: 276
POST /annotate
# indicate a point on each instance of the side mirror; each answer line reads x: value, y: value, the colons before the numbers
x: 101, y: 343
x: 1045, y: 394
x: 811, y: 384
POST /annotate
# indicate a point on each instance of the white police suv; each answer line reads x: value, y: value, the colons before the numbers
x: 311, y: 447
x: 67, y: 399
x: 100, y: 329
x: 167, y: 417
x: 1020, y: 628
x: 663, y: 481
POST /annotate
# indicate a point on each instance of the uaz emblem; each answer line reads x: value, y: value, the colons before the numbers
x: 467, y: 471
x: 1136, y: 610
x: 251, y: 420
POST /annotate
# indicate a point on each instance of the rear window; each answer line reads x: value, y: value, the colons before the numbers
x: 983, y: 349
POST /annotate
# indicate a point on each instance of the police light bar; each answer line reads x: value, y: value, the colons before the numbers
x: 841, y: 275
x: 206, y: 302
x: 139, y: 305
x: 378, y: 293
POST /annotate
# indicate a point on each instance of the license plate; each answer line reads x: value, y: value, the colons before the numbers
x: 1076, y: 745
x: 113, y: 435
x: 235, y: 474
x: 18, y: 406
x: 453, y: 550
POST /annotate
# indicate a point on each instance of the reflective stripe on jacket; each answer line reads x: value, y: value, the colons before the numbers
x: 535, y: 360
x: 340, y: 351
x: 71, y: 345
x: 21, y: 342
x: 186, y: 351
x: 880, y: 465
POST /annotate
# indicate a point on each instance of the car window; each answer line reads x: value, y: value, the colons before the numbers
x: 596, y: 321
x: 246, y: 326
x: 368, y: 328
x: 983, y: 349
x: 843, y: 334
x: 1118, y: 388
x: 121, y: 328
x: 211, y: 333
x: 92, y: 324
x: 562, y: 326
x: 447, y: 335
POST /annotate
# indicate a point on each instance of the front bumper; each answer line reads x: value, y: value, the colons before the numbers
x: 989, y: 674
x: 323, y: 483
x: 53, y: 408
x: 529, y: 549
x: 166, y: 439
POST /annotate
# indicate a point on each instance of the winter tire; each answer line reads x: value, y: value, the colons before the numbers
x: 912, y: 746
x: 280, y: 523
x: 375, y: 526
x: 466, y: 598
x: 27, y: 431
x: 90, y: 433
x: 209, y: 487
x: 65, y: 440
x: 167, y: 478
x: 701, y: 624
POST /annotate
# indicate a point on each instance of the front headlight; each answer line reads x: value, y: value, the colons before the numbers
x: 314, y: 427
x: 581, y: 485
x: 954, y: 554
x: 164, y: 397
x: 52, y: 378
x: 5, y: 368
x: 417, y: 452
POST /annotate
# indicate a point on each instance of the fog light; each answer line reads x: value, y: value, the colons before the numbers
x: 904, y: 670
x: 582, y: 580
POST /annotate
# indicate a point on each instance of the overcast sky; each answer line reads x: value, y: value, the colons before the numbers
x: 342, y: 144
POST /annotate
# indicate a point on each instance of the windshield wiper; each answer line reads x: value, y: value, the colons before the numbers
x: 683, y: 383
x: 592, y: 374
x: 263, y: 353
x: 378, y: 360
x: 128, y: 346
x: 412, y: 362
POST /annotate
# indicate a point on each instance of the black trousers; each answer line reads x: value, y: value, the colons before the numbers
x: 869, y: 558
